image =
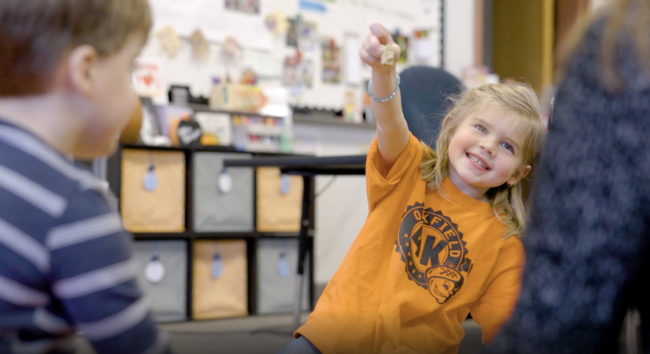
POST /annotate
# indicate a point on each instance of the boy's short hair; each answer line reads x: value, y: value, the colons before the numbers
x: 35, y: 34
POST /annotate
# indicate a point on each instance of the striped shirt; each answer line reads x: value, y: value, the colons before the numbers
x: 65, y: 261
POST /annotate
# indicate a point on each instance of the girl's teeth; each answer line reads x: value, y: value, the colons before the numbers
x: 477, y: 161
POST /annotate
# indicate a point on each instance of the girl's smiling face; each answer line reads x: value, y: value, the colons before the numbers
x: 486, y: 151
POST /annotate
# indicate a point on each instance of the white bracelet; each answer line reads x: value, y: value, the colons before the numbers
x: 382, y: 100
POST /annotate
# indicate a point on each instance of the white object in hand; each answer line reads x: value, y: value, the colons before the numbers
x: 387, y: 55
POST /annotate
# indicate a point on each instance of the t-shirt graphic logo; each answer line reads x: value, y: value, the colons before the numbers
x: 434, y: 252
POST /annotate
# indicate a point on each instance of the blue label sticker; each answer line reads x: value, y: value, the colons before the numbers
x: 150, y: 180
x: 285, y: 184
x: 217, y: 267
x: 312, y: 6
x: 283, y: 266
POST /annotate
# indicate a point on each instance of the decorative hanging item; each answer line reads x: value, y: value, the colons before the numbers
x: 170, y: 44
x: 225, y: 182
x: 231, y: 49
x: 283, y: 265
x: 217, y: 266
x: 154, y: 272
x: 150, y: 179
x: 200, y: 46
x: 277, y: 23
x: 231, y: 55
x: 285, y: 184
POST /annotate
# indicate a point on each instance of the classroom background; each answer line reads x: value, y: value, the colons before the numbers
x: 217, y: 245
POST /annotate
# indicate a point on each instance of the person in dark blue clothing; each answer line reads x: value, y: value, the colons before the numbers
x: 65, y: 261
x: 587, y: 244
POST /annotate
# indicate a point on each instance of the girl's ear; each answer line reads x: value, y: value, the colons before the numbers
x: 521, y: 172
x: 446, y: 121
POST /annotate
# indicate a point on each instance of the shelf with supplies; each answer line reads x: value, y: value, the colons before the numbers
x: 206, y: 108
x: 201, y: 125
x: 227, y: 238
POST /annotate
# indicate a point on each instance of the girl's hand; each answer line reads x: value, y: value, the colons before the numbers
x: 373, y: 46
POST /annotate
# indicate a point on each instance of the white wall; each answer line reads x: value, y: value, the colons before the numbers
x: 342, y: 208
x: 459, y: 35
x: 342, y: 19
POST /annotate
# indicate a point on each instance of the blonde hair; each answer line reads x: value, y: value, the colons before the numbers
x: 629, y: 17
x: 506, y: 202
x: 35, y: 34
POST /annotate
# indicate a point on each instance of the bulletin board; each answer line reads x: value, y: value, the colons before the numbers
x: 330, y: 34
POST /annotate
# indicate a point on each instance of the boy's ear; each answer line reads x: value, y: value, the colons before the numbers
x: 81, y: 62
x: 521, y: 172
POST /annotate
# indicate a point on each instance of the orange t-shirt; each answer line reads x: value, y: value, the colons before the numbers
x: 419, y: 265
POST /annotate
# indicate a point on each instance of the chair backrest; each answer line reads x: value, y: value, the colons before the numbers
x: 424, y: 90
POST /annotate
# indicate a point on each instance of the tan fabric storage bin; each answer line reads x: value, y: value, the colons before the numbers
x: 219, y: 288
x: 278, y: 211
x: 161, y: 209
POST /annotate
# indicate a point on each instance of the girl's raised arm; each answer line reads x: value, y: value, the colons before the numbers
x: 386, y: 104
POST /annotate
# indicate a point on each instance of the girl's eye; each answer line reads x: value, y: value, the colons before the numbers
x: 508, y: 147
x: 480, y: 128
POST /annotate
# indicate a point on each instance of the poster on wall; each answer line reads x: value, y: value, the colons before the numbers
x: 292, y: 33
x: 298, y: 73
x: 218, y: 19
x: 245, y: 6
x: 353, y: 64
x: 307, y: 36
x: 422, y: 45
x: 331, y: 61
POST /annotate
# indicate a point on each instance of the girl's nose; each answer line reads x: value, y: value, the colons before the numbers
x: 487, y: 144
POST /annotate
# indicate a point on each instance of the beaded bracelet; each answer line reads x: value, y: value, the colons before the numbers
x: 382, y: 100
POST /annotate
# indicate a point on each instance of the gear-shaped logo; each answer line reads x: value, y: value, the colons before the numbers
x: 434, y: 251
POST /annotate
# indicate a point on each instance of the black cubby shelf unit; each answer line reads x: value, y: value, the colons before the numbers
x: 114, y: 175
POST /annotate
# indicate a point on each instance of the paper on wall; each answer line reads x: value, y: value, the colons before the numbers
x: 148, y: 79
x: 265, y: 65
x: 331, y: 61
x: 352, y: 67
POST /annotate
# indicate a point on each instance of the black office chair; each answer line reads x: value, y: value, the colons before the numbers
x: 424, y: 90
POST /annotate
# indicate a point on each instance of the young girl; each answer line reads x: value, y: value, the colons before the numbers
x: 440, y: 238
